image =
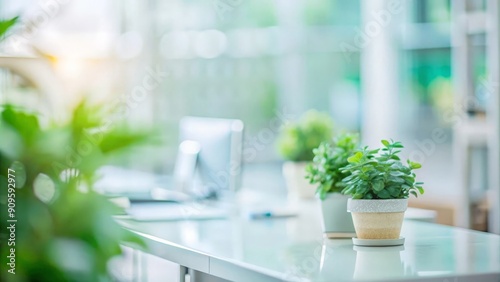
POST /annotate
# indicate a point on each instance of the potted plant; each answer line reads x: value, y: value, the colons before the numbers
x: 380, y: 185
x: 325, y: 171
x: 296, y: 143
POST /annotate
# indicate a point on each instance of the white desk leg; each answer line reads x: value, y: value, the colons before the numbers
x: 182, y: 273
x: 138, y: 266
x: 198, y: 276
x: 462, y: 155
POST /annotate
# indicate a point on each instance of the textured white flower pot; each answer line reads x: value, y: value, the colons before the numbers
x: 377, y: 219
x: 298, y: 186
x: 336, y: 220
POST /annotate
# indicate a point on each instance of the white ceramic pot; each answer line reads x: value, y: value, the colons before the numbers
x: 297, y: 185
x: 377, y: 219
x: 336, y: 219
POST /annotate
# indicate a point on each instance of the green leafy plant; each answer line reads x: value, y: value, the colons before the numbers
x: 380, y: 174
x: 64, y: 229
x: 329, y: 158
x: 297, y: 140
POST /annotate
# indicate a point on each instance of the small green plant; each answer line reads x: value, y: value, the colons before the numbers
x: 380, y: 174
x: 329, y: 158
x: 297, y: 140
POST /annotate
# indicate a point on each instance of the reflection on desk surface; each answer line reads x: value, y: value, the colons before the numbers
x: 160, y: 211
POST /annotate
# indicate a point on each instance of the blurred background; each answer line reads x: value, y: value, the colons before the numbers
x: 388, y: 70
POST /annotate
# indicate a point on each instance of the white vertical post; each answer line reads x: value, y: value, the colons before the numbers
x: 493, y: 61
x: 379, y: 72
x: 463, y: 85
x: 291, y: 65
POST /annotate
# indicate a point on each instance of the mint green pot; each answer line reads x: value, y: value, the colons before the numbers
x: 336, y: 219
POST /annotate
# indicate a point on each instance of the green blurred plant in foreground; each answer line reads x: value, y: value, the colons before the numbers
x: 64, y: 229
x: 5, y: 25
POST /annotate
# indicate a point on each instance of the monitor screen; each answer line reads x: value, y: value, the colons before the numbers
x: 218, y: 166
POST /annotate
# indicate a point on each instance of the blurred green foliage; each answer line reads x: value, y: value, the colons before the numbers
x: 258, y: 14
x: 431, y: 11
x: 318, y: 12
x: 426, y: 67
x: 331, y: 12
x: 241, y: 13
x: 64, y: 229
x: 7, y: 24
x: 297, y: 140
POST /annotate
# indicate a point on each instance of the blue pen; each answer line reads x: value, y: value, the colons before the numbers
x: 270, y: 214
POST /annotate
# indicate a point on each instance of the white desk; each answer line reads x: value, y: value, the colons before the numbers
x: 293, y: 249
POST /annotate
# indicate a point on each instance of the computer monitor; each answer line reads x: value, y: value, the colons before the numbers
x: 218, y: 165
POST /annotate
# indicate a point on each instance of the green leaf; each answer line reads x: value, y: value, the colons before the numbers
x: 393, y: 191
x: 396, y: 173
x: 396, y: 179
x: 384, y: 194
x: 348, y: 178
x: 357, y: 196
x: 420, y: 189
x: 122, y: 139
x: 24, y: 123
x: 378, y: 186
x: 397, y: 145
x: 348, y: 190
x: 7, y: 24
x: 362, y: 189
x: 355, y: 158
x: 414, y: 193
x: 415, y: 165
x: 386, y: 143
x: 322, y: 194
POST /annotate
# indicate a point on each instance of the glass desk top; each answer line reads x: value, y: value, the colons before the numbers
x: 293, y: 249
